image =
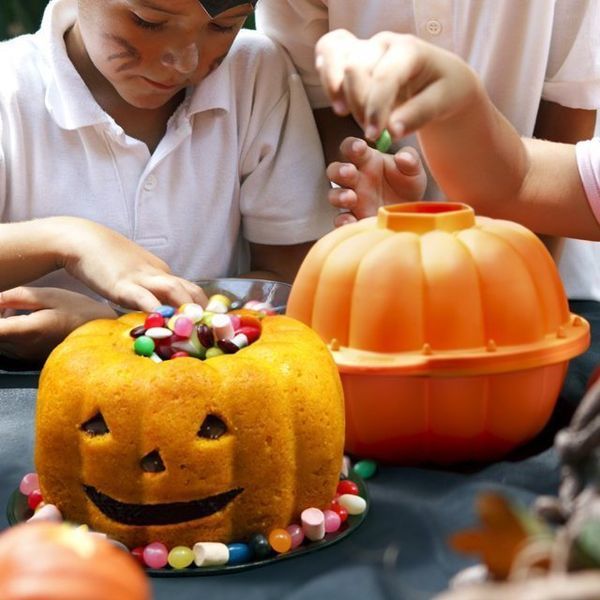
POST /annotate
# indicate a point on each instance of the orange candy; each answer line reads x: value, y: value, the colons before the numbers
x: 280, y: 540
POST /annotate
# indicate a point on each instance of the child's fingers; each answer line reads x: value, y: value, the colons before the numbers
x: 345, y: 218
x: 408, y: 161
x: 330, y: 59
x: 390, y: 85
x: 342, y: 198
x: 357, y: 82
x: 356, y: 151
x: 420, y: 109
x: 345, y: 175
x: 28, y: 298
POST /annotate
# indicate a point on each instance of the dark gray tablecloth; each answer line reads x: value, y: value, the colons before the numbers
x: 400, y: 551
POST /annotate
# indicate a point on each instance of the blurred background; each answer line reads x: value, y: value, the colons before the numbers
x: 24, y: 16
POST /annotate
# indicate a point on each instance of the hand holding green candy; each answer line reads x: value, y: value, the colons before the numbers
x: 384, y: 141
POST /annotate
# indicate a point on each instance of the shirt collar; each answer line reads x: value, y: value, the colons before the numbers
x: 70, y: 102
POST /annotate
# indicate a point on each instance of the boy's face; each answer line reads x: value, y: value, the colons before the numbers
x: 149, y: 50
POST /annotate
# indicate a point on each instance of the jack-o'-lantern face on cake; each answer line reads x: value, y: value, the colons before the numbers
x: 186, y: 451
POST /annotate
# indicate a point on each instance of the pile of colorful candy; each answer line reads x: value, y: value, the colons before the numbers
x: 203, y: 333
x: 314, y: 525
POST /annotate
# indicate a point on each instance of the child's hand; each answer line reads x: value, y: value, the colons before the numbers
x: 123, y: 271
x: 55, y: 313
x: 393, y: 81
x: 371, y: 179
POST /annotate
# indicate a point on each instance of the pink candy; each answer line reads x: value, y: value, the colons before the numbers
x: 156, y: 555
x: 29, y: 483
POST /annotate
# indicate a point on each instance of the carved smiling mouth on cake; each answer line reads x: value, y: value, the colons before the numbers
x: 160, y: 514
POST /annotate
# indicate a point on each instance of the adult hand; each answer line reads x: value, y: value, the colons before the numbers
x: 54, y: 314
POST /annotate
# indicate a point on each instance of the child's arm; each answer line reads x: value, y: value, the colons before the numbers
x: 402, y: 83
x: 105, y: 261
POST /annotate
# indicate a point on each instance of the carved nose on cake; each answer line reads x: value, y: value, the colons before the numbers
x: 152, y: 462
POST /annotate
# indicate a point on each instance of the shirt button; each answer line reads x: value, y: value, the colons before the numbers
x: 433, y: 27
x: 150, y: 183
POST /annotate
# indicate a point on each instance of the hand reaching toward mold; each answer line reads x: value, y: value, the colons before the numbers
x: 372, y: 178
x: 392, y: 81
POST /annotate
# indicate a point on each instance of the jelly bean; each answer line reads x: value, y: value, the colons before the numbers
x: 192, y: 311
x: 155, y: 555
x: 29, y: 483
x: 165, y: 352
x: 355, y: 505
x: 222, y: 327
x: 239, y: 553
x: 296, y: 534
x: 138, y: 554
x: 210, y: 554
x: 144, y: 346
x: 34, y: 498
x: 227, y: 346
x: 180, y: 557
x: 251, y: 333
x: 384, y: 141
x: 154, y: 320
x: 339, y: 509
x: 155, y: 358
x: 183, y: 326
x: 159, y: 333
x: 165, y: 310
x: 365, y: 468
x: 263, y: 307
x: 205, y: 335
x: 251, y: 304
x: 48, y: 512
x: 347, y: 487
x: 214, y: 351
x: 333, y: 521
x: 313, y: 524
x: 137, y: 331
x: 207, y: 318
x: 280, y: 540
x: 179, y: 354
x: 260, y: 546
x: 190, y: 345
x: 218, y: 304
x: 250, y: 321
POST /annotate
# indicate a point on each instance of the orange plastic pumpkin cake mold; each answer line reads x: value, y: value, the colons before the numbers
x: 451, y: 332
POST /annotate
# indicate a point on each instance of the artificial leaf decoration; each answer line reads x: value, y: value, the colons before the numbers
x: 504, y: 532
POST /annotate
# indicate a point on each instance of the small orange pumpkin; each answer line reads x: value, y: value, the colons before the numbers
x: 452, y: 333
x: 59, y: 562
x: 188, y: 450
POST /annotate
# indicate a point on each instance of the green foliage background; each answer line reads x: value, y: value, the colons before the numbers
x: 24, y: 16
x: 20, y: 16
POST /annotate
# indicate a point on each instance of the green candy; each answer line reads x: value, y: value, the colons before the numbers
x: 384, y: 141
x: 365, y: 468
x: 144, y: 346
x: 214, y: 351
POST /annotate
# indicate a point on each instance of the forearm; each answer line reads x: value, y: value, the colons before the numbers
x: 475, y: 155
x: 30, y: 249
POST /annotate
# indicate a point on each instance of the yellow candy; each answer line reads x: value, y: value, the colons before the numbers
x: 180, y: 557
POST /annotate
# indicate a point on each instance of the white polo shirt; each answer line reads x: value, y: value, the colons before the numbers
x: 241, y: 158
x: 523, y: 50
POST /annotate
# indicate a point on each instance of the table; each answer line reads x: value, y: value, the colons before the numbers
x: 400, y: 551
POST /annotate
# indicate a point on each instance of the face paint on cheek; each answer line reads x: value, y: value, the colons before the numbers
x: 129, y: 53
x: 216, y: 7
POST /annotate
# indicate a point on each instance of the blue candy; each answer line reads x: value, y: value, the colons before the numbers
x: 239, y: 553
